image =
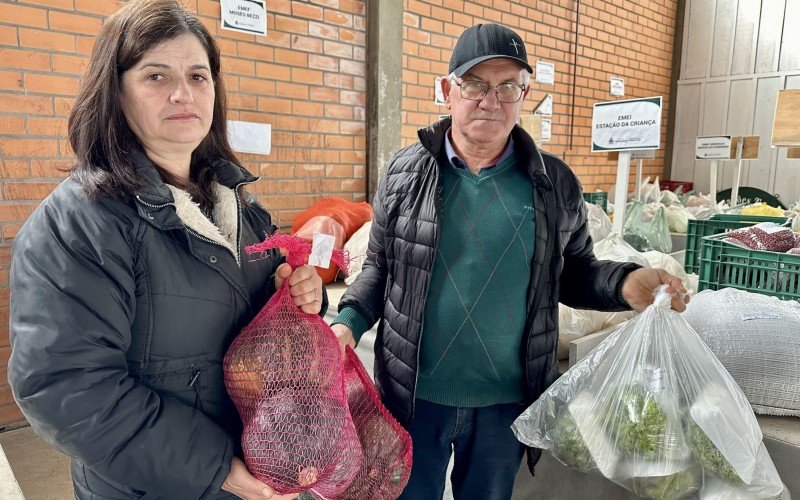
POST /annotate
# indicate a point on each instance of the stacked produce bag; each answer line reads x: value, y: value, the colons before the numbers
x: 653, y: 410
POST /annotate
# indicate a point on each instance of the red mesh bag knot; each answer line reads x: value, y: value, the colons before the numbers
x: 284, y: 372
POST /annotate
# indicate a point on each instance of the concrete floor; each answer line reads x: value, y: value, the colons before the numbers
x: 41, y: 471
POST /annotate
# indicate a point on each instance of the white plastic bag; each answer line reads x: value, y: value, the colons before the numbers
x: 613, y: 247
x: 356, y: 248
x: 667, y: 262
x: 653, y: 410
x: 756, y: 338
x: 578, y: 323
x: 650, y: 193
x: 678, y: 219
x: 598, y: 222
x: 701, y: 200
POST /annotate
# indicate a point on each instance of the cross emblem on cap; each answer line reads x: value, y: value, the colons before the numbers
x: 515, y: 45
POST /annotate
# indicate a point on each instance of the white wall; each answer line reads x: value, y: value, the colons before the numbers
x: 737, y: 54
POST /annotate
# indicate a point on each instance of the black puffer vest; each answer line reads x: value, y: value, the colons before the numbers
x: 393, y: 284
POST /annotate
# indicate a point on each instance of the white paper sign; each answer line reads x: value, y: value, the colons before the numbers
x: 245, y: 16
x: 617, y: 86
x: 760, y: 315
x: 546, y: 107
x: 248, y: 137
x: 716, y: 147
x: 627, y: 125
x: 547, y: 129
x: 545, y: 72
x: 321, y: 250
x: 438, y: 94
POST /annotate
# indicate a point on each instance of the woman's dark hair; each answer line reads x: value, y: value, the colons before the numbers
x: 98, y: 132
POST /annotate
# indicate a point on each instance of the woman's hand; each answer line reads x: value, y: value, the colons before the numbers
x: 305, y: 286
x: 242, y: 484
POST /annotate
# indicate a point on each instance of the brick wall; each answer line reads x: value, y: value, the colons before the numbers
x: 633, y: 42
x: 305, y: 78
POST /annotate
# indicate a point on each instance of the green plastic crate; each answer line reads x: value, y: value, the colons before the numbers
x: 720, y: 223
x: 724, y: 264
x: 599, y: 198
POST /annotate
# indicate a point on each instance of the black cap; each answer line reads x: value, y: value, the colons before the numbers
x: 487, y: 41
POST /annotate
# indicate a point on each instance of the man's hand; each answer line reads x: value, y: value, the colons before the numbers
x: 305, y: 286
x: 639, y: 285
x: 344, y: 335
x: 242, y: 484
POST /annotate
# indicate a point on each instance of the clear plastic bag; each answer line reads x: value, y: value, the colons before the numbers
x: 653, y: 410
x: 650, y: 193
x: 678, y: 218
x: 598, y: 222
x: 613, y: 247
x: 644, y: 232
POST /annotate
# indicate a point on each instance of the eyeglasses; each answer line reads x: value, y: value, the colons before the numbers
x: 475, y: 90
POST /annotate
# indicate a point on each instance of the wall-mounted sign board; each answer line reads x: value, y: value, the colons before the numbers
x: 786, y: 127
x: 244, y: 16
x: 617, y: 86
x: 545, y: 106
x: 547, y: 130
x: 545, y: 72
x: 249, y: 137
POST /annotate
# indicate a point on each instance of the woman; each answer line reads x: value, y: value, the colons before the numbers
x: 129, y: 282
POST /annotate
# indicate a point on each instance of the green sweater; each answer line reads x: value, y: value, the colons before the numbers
x: 475, y: 309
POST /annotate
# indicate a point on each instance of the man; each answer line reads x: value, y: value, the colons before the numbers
x: 476, y: 237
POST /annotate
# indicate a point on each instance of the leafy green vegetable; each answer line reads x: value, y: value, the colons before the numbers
x: 641, y: 423
x: 670, y: 487
x: 711, y: 458
x: 569, y: 446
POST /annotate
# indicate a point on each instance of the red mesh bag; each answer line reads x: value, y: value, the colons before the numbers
x: 386, y: 445
x: 351, y: 215
x: 325, y: 225
x: 284, y: 372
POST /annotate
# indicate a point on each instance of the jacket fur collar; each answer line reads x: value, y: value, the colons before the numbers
x: 225, y: 214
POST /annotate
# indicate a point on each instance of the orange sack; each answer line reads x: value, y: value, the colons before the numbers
x: 335, y: 216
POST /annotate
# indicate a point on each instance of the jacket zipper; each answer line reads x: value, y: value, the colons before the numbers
x: 239, y: 219
x: 200, y: 236
x: 537, y: 295
x: 140, y: 200
x: 198, y: 402
x: 438, y: 205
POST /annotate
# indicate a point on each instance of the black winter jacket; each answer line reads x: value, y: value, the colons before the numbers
x: 120, y: 318
x: 393, y: 285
